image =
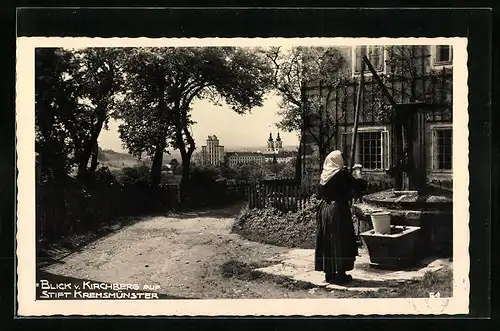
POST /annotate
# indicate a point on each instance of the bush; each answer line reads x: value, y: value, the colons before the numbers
x: 272, y: 226
x: 139, y: 174
x: 104, y: 175
x: 205, y: 188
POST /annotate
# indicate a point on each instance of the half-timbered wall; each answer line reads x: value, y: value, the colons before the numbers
x: 427, y: 83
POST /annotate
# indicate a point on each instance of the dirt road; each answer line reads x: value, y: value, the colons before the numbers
x: 191, y: 255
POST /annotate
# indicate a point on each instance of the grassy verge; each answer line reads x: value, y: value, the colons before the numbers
x: 438, y: 283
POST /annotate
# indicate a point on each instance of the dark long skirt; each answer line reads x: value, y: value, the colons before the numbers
x: 336, y: 247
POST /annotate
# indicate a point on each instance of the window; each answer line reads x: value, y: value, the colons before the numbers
x: 442, y: 148
x: 372, y: 148
x: 370, y: 153
x: 374, y: 53
x: 443, y: 55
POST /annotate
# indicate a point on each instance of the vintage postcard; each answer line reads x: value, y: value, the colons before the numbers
x: 242, y: 176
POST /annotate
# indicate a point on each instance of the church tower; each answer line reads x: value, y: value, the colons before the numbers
x: 278, y: 146
x: 270, y: 143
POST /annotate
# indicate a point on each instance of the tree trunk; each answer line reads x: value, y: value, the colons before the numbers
x: 82, y: 166
x: 156, y: 166
x: 186, y: 168
x: 94, y: 163
x: 298, y: 167
x: 298, y: 160
x: 185, y: 174
x: 322, y: 157
x: 87, y: 150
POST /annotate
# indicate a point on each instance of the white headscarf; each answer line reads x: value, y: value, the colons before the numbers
x: 334, y: 162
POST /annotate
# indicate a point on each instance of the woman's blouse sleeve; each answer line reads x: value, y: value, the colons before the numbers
x: 359, y: 184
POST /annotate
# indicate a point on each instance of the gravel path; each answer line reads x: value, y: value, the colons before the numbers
x: 191, y: 255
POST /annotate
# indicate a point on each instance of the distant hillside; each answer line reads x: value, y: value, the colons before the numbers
x: 111, y: 154
x: 116, y: 160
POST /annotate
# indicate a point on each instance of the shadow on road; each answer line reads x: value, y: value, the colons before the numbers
x: 54, y: 253
x: 227, y: 212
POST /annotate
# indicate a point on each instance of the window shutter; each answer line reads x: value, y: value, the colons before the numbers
x: 357, y: 59
x: 374, y: 57
x: 346, y: 146
x: 434, y: 150
x: 360, y: 51
x: 381, y: 58
x: 386, y: 161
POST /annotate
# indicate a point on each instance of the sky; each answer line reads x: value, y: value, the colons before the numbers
x: 233, y: 130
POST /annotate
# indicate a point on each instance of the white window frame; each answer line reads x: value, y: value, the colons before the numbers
x: 434, y: 161
x: 384, y: 132
x: 368, y: 72
x: 444, y: 64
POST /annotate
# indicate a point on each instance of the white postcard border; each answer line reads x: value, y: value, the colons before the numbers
x: 25, y: 124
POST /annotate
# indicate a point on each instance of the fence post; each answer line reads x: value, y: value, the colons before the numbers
x: 287, y: 197
x: 251, y: 197
x: 283, y: 197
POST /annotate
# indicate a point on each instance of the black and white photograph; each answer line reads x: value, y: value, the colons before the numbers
x: 200, y: 176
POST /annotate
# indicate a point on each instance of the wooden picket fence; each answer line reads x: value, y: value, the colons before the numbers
x: 290, y: 195
x: 72, y: 209
x: 285, y: 195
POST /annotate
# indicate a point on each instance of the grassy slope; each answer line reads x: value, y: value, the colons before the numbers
x: 116, y: 161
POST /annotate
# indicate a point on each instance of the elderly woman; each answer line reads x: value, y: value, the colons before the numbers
x: 336, y: 246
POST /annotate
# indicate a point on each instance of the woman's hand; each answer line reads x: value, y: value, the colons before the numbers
x: 357, y: 171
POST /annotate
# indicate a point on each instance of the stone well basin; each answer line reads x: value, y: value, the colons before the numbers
x: 432, y: 212
x: 394, y: 250
x: 410, y: 200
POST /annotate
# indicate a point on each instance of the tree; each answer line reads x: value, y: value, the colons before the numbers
x: 146, y: 128
x: 297, y: 70
x: 101, y: 156
x: 274, y: 167
x: 174, y: 164
x: 163, y: 82
x: 98, y: 80
x: 55, y: 100
x: 409, y: 65
x: 251, y: 172
x: 226, y: 171
x: 74, y: 96
x: 288, y: 170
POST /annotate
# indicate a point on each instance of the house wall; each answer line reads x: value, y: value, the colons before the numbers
x: 432, y: 83
x: 424, y: 59
x: 439, y: 178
